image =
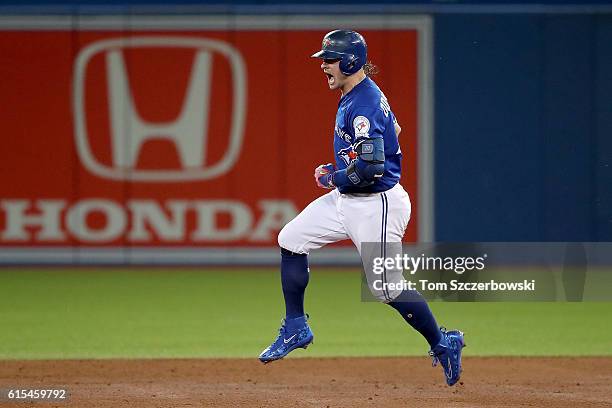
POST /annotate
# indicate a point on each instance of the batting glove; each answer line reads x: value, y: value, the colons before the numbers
x: 324, y: 176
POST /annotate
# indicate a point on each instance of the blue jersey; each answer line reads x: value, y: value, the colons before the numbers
x: 365, y: 112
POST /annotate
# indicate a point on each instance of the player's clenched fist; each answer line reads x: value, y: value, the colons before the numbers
x: 324, y: 176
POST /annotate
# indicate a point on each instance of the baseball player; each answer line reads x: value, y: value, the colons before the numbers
x: 366, y: 203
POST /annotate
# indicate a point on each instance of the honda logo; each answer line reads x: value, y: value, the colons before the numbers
x: 189, y: 131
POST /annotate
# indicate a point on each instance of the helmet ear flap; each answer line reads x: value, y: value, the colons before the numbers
x: 348, y: 64
x: 351, y: 64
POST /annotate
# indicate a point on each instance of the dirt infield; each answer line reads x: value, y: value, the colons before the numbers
x: 331, y: 382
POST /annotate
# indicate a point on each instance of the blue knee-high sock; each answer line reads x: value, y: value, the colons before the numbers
x: 294, y: 278
x: 414, y: 309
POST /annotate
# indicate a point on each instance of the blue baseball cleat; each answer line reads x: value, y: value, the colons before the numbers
x: 448, y: 354
x: 294, y: 333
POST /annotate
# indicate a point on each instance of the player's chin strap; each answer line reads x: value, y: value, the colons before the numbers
x: 369, y: 164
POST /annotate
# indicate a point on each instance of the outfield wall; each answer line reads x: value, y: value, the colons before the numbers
x: 523, y: 127
x: 506, y: 115
x: 184, y: 134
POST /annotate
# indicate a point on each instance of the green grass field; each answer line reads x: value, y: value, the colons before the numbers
x: 157, y: 313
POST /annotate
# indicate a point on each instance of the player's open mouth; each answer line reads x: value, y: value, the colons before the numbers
x: 330, y: 79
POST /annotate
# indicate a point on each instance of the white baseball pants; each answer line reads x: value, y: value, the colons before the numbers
x: 377, y: 217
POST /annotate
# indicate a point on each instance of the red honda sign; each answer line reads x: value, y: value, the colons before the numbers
x: 196, y: 137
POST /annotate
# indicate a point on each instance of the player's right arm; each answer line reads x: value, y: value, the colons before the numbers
x: 369, y: 149
x: 363, y: 171
x: 367, y: 167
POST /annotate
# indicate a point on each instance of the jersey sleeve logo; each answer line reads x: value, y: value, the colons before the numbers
x: 347, y: 154
x: 361, y: 124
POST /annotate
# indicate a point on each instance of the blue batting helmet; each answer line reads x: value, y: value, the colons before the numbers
x: 347, y: 46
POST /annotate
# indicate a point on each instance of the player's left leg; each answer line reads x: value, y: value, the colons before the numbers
x: 385, y: 216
